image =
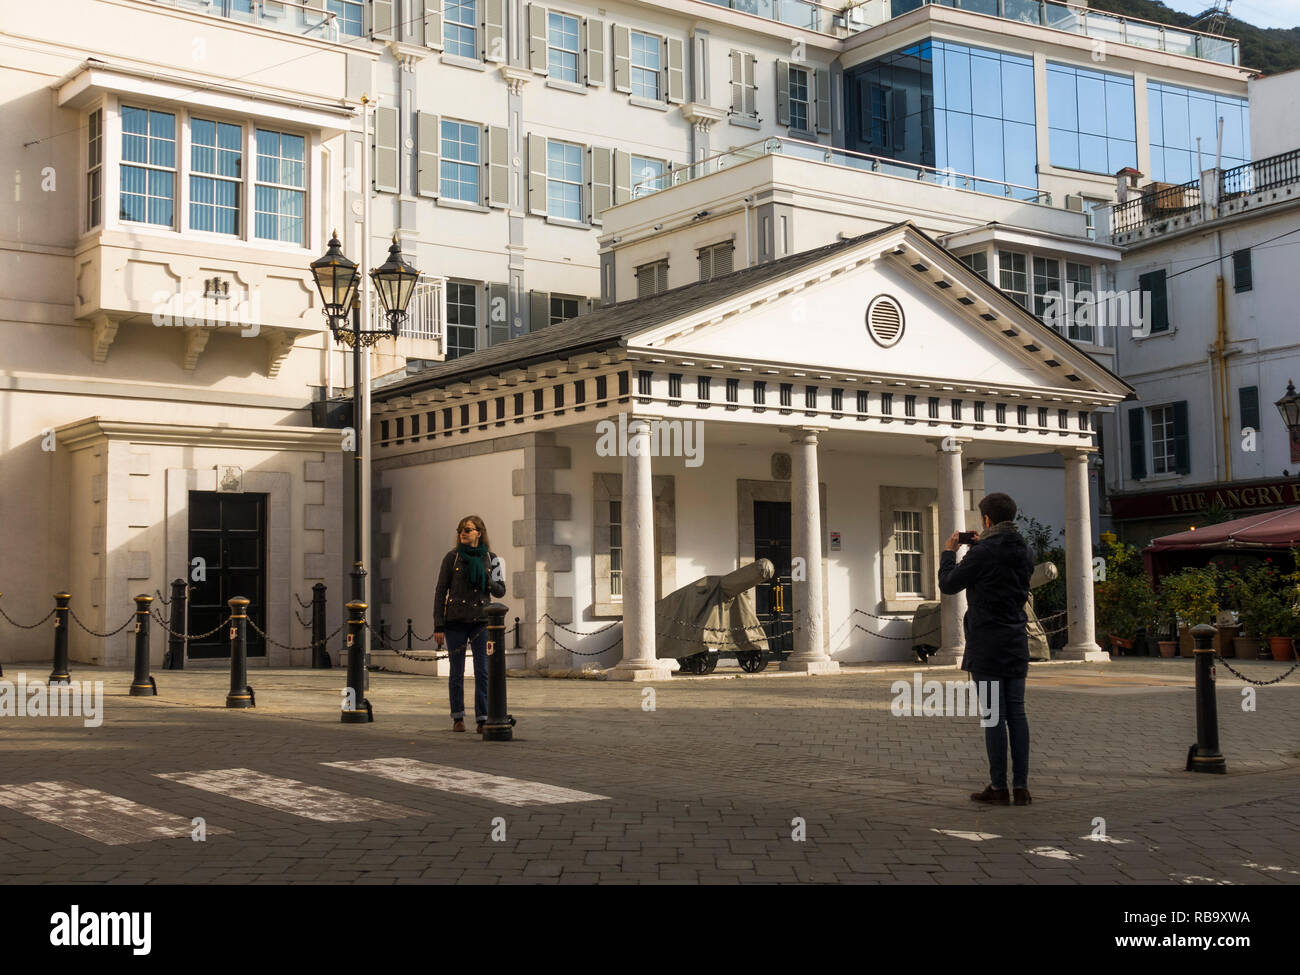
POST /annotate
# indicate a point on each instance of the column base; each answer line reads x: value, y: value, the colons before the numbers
x: 640, y: 670
x: 946, y: 657
x: 1083, y: 651
x: 810, y: 665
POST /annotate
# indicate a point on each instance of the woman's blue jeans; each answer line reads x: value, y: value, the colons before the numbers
x: 475, y: 634
x: 1010, y: 693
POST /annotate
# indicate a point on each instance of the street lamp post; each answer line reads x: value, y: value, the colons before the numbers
x: 1289, y: 407
x: 337, y: 279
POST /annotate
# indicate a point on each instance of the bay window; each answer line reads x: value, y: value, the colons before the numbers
x: 148, y: 193
x: 281, y: 188
x: 216, y: 169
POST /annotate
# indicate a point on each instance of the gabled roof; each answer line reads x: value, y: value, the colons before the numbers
x: 608, y: 326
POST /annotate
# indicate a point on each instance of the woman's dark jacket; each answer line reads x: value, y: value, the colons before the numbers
x: 454, y: 586
x: 995, y: 574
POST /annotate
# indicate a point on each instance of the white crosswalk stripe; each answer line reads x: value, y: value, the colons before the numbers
x: 98, y: 815
x: 290, y: 795
x: 498, y: 788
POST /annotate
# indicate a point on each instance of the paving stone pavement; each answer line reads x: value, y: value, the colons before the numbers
x: 713, y: 785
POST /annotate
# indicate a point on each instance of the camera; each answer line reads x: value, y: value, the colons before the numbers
x: 966, y: 538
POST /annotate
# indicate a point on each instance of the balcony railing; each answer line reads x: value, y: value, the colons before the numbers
x: 1080, y: 20
x: 281, y: 15
x: 425, y: 314
x: 815, y: 152
x: 1162, y: 201
x: 797, y: 13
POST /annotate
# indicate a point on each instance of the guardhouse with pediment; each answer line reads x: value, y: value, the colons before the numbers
x: 835, y: 406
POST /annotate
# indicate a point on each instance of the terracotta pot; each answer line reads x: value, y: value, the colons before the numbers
x: 1281, y: 647
x: 1168, y: 647
x: 1247, y: 647
x: 1224, y: 638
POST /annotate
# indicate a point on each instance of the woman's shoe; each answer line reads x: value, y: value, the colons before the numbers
x: 992, y: 796
x: 458, y: 726
x: 1021, y: 797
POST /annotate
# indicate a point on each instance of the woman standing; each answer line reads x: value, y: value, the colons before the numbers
x: 471, y: 576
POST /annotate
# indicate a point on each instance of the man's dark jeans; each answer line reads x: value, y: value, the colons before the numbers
x: 1010, y: 693
x: 458, y: 635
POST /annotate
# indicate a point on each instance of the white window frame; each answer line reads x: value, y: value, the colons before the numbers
x: 257, y: 182
x: 639, y: 74
x: 1076, y: 287
x: 564, y: 180
x: 450, y: 328
x: 553, y: 49
x: 444, y: 160
x: 914, y: 555
x: 340, y: 8
x: 240, y: 214
x: 1041, y: 283
x: 615, y: 550
x: 96, y: 144
x: 645, y: 177
x: 147, y: 167
x: 551, y: 317
x: 806, y: 101
x: 1164, y: 462
x: 1004, y: 272
x: 453, y: 31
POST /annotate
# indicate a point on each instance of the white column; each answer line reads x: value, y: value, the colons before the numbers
x: 1078, y: 561
x: 810, y: 656
x: 639, y: 661
x: 952, y: 518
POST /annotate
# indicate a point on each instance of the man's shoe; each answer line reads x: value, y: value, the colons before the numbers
x: 479, y: 729
x: 992, y: 796
x: 458, y: 726
x: 1021, y: 797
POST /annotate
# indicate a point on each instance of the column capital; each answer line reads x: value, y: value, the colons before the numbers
x: 948, y: 445
x: 804, y: 434
x: 1073, y: 451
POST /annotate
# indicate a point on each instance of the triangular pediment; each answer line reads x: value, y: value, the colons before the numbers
x: 954, y: 326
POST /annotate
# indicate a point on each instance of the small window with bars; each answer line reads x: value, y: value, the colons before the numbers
x: 519, y: 407
x: 909, y: 553
x: 733, y: 390
x: 1000, y: 414
x: 955, y: 407
x: 602, y: 388
x: 1042, y: 416
x: 716, y: 260
x: 644, y: 380
x: 760, y: 393
x: 1022, y: 416
x: 675, y: 388
x: 787, y: 395
x: 539, y: 401
x: 886, y: 404
x: 979, y: 411
x: 1063, y: 418
x: 702, y: 391
x: 933, y: 407
x: 616, y: 549
x: 837, y: 401
x: 909, y: 405
x: 810, y: 397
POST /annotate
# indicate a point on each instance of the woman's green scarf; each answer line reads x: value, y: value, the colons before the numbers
x: 474, y: 560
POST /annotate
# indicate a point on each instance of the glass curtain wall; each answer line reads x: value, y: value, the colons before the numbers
x: 1177, y: 116
x: 950, y: 106
x: 1091, y: 122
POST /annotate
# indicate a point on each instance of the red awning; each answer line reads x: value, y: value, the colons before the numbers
x: 1272, y: 529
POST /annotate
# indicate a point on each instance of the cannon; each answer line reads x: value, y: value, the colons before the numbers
x: 700, y: 621
x: 925, y: 622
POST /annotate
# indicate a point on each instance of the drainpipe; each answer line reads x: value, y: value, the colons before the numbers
x: 1221, y: 352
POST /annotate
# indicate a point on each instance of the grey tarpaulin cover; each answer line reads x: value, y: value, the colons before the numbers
x: 712, y: 613
x: 925, y: 622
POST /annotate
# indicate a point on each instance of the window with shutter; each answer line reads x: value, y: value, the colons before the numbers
x: 381, y: 19
x: 744, y: 91
x: 651, y: 279
x: 822, y: 84
x: 433, y: 24
x: 1152, y: 284
x: 622, y: 59
x: 1242, y: 277
x: 387, y: 135
x: 593, y: 51
x: 782, y: 92
x: 1137, y: 456
x: 428, y: 152
x: 538, y: 49
x: 675, y: 71
x: 498, y: 165
x: 716, y: 260
x: 494, y: 30
x: 460, y: 28
x: 1248, y: 400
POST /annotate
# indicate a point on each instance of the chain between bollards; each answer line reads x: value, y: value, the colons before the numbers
x: 241, y: 695
x: 356, y: 708
x: 1205, y: 756
x: 142, y: 684
x: 499, y: 725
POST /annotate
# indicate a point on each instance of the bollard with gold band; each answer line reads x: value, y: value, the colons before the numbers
x: 1205, y: 756
x: 142, y: 685
x: 356, y: 709
x: 174, y: 659
x: 499, y: 725
x: 241, y: 695
x: 59, y: 674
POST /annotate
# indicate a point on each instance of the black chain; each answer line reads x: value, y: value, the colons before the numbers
x: 130, y: 619
x: 300, y: 602
x: 187, y: 636
x: 1258, y: 683
x: 34, y: 625
x: 306, y: 623
x: 159, y: 595
x: 284, y: 646
x: 885, y: 636
x: 408, y: 656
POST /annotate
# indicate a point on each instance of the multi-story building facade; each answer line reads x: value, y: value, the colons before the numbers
x: 1220, y: 349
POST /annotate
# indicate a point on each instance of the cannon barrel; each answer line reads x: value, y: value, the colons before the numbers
x: 746, y: 578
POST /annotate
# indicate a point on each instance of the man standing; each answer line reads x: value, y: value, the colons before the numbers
x: 995, y: 574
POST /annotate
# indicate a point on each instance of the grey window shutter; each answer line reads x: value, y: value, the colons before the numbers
x: 738, y: 83
x: 587, y: 305
x: 381, y: 19
x: 676, y: 59
x: 722, y: 259
x: 661, y: 277
x: 705, y: 256
x: 386, y: 139
x: 428, y: 149
x: 1182, y: 455
x: 751, y: 87
x: 593, y: 44
x: 498, y: 313
x: 602, y: 181
x: 1248, y: 400
x: 622, y: 59
x: 782, y: 92
x: 497, y: 191
x: 433, y: 24
x: 1137, y: 444
x: 823, y: 84
x: 537, y: 175
x: 539, y: 310
x: 622, y: 176
x: 538, y: 55
x: 494, y: 30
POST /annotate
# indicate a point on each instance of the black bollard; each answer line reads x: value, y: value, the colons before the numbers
x: 142, y: 685
x: 320, y: 656
x: 408, y: 634
x: 356, y: 709
x: 499, y: 725
x: 179, y: 627
x: 60, y: 675
x: 241, y: 695
x: 1205, y: 756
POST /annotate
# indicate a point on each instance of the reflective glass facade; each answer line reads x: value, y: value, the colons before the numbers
x: 1178, y: 115
x: 1091, y: 120
x: 949, y: 106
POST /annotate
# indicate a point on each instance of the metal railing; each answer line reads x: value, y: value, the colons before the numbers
x: 1162, y: 201
x: 425, y: 315
x: 797, y: 13
x: 282, y: 15
x: 1086, y: 21
x: 863, y: 162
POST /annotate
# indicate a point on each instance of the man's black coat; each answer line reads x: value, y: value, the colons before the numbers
x: 995, y: 574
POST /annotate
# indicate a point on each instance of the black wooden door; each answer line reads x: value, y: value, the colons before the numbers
x: 774, y: 600
x: 228, y: 532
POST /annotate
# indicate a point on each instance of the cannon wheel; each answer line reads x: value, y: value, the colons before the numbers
x: 752, y: 661
x: 688, y: 665
x: 707, y: 663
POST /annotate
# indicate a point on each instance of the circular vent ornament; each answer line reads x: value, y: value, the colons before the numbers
x: 884, y: 321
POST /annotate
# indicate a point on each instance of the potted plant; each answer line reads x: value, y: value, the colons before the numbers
x: 1253, y: 590
x: 1277, y: 621
x: 1192, y: 597
x: 1123, y: 599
